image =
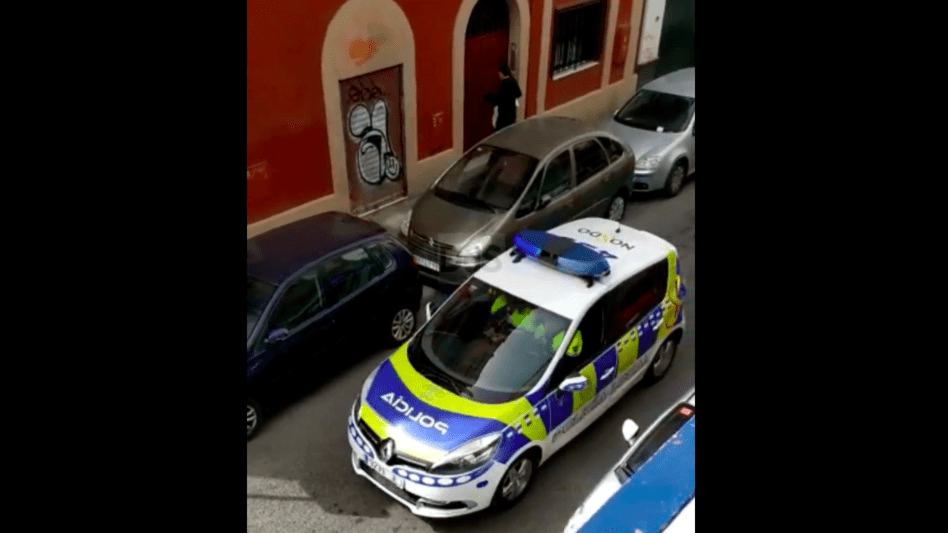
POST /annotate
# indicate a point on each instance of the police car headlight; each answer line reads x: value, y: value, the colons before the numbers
x: 468, y: 457
x: 648, y: 163
x: 404, y: 226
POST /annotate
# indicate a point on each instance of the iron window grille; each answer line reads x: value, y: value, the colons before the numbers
x: 577, y: 36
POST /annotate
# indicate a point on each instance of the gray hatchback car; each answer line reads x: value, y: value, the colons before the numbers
x: 535, y: 174
x: 658, y: 122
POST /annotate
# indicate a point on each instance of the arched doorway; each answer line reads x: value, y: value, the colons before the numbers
x: 486, y: 43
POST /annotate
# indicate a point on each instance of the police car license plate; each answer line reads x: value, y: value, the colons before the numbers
x: 399, y: 482
x: 433, y: 265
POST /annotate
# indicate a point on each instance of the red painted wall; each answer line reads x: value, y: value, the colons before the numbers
x: 623, y: 29
x: 575, y: 85
x: 286, y: 123
x: 433, y: 26
x: 285, y: 112
x: 533, y: 63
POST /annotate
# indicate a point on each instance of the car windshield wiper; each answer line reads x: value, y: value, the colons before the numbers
x: 440, y: 378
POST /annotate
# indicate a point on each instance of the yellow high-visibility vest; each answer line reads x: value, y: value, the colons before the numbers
x: 575, y: 346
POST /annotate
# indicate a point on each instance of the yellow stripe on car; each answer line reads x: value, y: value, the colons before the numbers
x: 580, y: 398
x: 627, y: 350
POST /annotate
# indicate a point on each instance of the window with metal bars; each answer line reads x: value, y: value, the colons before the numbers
x: 488, y: 16
x: 577, y: 36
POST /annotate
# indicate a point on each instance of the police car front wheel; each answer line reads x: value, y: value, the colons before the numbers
x: 515, y: 481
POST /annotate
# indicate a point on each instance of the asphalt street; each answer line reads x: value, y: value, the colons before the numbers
x: 300, y: 479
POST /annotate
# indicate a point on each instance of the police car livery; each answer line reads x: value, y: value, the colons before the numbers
x: 520, y: 359
x: 652, y: 487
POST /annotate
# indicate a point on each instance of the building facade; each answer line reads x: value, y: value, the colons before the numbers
x: 355, y: 104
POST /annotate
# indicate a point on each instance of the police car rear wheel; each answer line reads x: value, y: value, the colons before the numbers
x: 515, y: 481
x: 662, y: 362
x: 402, y: 325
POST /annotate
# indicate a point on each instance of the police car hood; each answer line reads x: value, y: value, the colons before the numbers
x: 427, y: 421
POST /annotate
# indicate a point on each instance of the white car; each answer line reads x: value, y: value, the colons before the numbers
x: 658, y: 468
x: 518, y: 361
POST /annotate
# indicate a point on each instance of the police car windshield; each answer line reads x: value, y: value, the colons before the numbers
x: 486, y: 344
x: 258, y: 294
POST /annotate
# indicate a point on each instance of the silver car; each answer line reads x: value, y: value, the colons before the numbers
x: 535, y: 174
x: 658, y: 122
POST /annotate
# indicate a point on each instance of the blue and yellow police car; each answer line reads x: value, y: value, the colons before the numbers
x: 518, y: 361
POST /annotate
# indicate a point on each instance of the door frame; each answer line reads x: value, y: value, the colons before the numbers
x: 519, y: 37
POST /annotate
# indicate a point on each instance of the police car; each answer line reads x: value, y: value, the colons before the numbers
x: 652, y: 488
x: 459, y: 418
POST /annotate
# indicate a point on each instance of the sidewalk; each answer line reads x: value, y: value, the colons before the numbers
x: 391, y: 217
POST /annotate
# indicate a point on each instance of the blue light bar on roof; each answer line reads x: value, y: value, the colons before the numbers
x: 566, y: 255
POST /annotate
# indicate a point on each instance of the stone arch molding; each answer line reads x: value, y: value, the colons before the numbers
x: 519, y: 35
x: 365, y: 36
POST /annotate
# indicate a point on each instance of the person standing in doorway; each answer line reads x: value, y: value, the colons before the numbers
x: 505, y: 99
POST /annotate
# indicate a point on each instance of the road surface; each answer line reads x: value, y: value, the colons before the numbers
x: 300, y: 479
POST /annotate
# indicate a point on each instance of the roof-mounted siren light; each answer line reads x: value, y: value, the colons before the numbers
x: 561, y: 253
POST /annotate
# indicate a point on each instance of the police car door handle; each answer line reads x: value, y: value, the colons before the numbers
x: 607, y: 374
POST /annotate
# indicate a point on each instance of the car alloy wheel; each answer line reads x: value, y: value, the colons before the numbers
x: 675, y: 179
x: 617, y: 208
x: 253, y: 419
x: 402, y: 325
x: 663, y: 360
x: 516, y: 479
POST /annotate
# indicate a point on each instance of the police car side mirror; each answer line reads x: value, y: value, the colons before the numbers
x: 629, y: 430
x: 574, y: 384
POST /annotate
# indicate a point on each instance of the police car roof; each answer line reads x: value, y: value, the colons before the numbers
x: 685, y: 521
x: 568, y: 295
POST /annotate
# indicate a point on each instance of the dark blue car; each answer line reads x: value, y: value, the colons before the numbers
x: 315, y: 284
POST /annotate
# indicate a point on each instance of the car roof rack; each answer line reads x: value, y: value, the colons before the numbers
x: 562, y: 253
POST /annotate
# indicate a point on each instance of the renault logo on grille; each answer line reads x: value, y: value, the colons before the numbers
x: 386, y: 450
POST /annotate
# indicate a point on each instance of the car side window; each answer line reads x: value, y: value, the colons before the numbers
x: 634, y: 298
x: 585, y: 346
x: 301, y: 301
x: 347, y: 273
x: 529, y: 202
x: 558, y: 177
x: 380, y: 255
x: 590, y: 159
x: 614, y: 148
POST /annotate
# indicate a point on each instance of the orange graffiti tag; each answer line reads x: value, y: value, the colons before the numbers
x: 362, y: 50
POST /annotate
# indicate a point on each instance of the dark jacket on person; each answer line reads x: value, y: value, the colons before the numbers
x: 506, y: 101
